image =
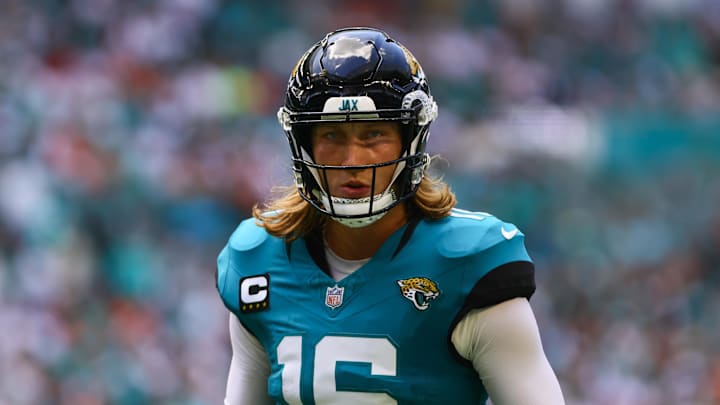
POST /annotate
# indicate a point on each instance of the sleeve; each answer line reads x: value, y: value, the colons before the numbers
x: 495, y: 262
x: 503, y: 344
x: 249, y: 368
x: 507, y: 281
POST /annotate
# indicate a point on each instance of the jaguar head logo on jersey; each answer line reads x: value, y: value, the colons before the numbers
x: 420, y: 291
x: 334, y: 296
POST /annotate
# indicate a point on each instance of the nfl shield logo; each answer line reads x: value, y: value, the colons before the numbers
x: 334, y: 296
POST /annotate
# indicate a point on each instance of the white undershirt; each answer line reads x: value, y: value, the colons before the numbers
x: 339, y: 267
x: 502, y: 342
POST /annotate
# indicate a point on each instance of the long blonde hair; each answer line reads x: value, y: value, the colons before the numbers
x: 290, y: 217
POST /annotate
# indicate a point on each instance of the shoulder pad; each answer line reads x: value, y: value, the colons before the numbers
x: 247, y: 236
x: 236, y: 258
x: 466, y: 233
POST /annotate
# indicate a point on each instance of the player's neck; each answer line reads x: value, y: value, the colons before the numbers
x: 360, y: 243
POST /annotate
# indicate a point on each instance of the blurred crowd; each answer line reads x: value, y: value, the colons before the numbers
x: 134, y: 135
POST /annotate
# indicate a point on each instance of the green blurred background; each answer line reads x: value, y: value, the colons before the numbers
x: 134, y: 135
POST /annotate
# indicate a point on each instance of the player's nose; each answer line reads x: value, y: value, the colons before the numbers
x: 355, y: 154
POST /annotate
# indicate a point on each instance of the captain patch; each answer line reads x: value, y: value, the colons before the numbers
x: 254, y: 293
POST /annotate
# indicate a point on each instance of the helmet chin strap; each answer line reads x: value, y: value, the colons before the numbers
x: 359, y: 222
x: 357, y: 206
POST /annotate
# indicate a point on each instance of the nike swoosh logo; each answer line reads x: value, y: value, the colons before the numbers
x: 508, y: 234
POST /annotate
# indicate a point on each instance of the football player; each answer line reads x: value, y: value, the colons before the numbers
x: 363, y: 284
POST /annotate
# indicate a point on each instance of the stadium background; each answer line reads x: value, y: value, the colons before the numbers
x: 135, y: 134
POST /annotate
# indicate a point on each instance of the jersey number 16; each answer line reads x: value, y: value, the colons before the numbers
x: 378, y: 352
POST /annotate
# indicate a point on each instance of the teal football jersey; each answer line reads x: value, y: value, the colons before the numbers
x: 382, y: 334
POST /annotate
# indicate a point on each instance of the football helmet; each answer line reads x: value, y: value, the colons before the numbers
x: 358, y: 74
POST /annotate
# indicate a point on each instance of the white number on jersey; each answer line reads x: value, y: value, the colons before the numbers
x: 379, y: 352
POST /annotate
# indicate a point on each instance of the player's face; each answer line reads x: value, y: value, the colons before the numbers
x: 352, y: 144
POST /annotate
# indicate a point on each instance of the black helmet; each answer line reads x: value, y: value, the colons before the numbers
x: 358, y: 74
